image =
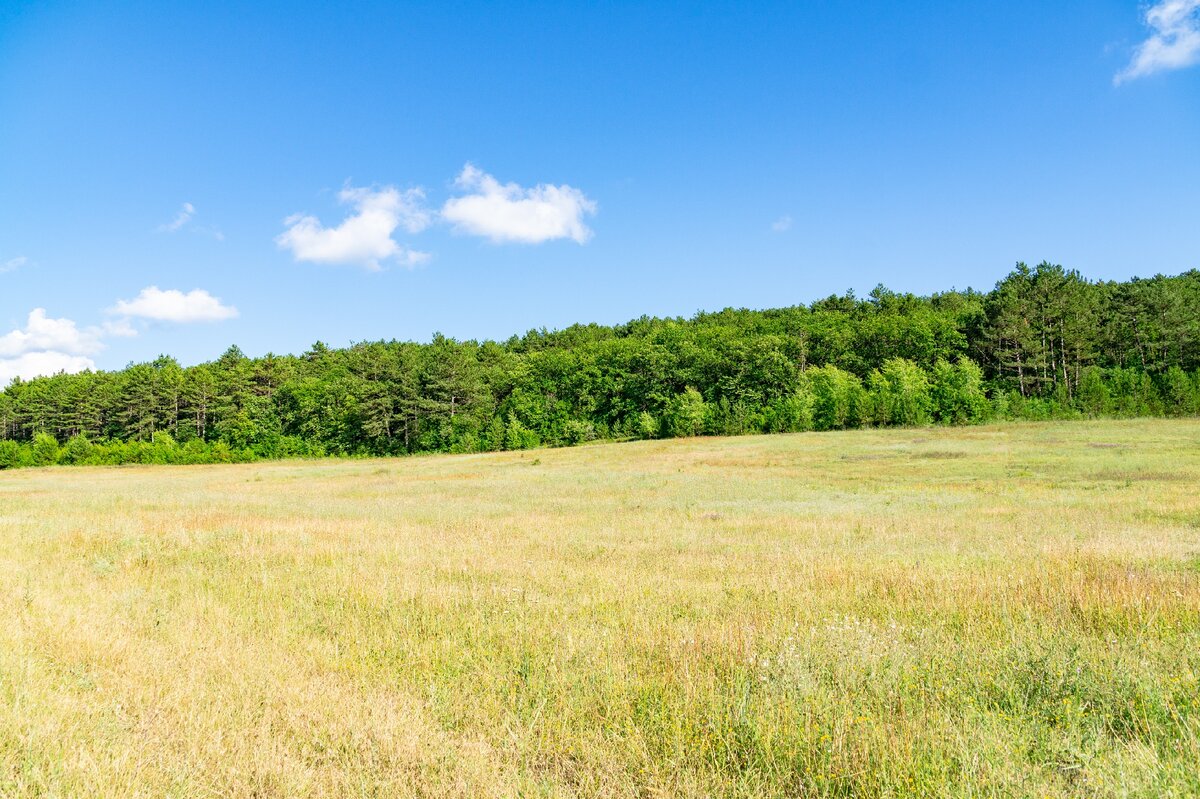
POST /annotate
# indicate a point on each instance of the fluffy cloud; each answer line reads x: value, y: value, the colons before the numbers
x: 1174, y: 43
x: 365, y: 237
x: 13, y: 264
x: 175, y: 306
x: 43, y: 333
x: 47, y: 346
x: 39, y: 364
x: 782, y: 224
x: 509, y: 213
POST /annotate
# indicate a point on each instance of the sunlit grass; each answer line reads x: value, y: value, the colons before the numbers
x: 998, y: 611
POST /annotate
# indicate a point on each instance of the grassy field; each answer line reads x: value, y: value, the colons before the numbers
x: 996, y: 611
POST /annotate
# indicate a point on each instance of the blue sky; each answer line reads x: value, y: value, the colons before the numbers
x: 181, y: 177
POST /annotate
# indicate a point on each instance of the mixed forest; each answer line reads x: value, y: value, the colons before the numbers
x: 1045, y: 343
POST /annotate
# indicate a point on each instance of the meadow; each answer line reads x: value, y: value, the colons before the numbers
x: 997, y: 611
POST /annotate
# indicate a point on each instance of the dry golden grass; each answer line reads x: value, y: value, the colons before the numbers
x: 997, y: 611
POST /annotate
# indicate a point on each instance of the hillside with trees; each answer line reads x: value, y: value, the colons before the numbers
x: 1044, y: 343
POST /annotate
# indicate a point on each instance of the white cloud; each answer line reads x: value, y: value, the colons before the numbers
x: 782, y: 223
x: 43, y: 333
x: 1174, y: 43
x: 172, y: 306
x: 13, y: 264
x: 182, y: 218
x: 46, y: 346
x: 118, y: 328
x: 509, y: 213
x: 39, y: 364
x: 365, y: 237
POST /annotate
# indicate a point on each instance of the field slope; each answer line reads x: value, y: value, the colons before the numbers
x: 992, y: 611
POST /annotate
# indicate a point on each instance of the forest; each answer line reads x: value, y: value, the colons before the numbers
x: 1045, y: 343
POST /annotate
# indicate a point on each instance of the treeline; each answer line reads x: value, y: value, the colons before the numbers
x: 1045, y: 343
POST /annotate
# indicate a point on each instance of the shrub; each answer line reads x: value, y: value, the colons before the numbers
x: 1134, y: 393
x: 219, y: 452
x: 645, y: 425
x: 1178, y: 394
x: 493, y: 437
x: 957, y: 393
x: 736, y: 418
x: 838, y: 398
x: 1092, y: 396
x: 44, y: 451
x: 518, y: 436
x: 790, y: 414
x: 12, y: 455
x: 77, y: 450
x: 685, y: 414
x: 195, y: 451
x: 577, y: 432
x: 900, y: 394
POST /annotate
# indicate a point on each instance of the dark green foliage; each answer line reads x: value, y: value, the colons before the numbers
x: 1044, y: 344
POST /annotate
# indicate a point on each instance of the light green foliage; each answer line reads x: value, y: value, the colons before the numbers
x: 1093, y: 393
x: 900, y: 394
x: 577, y: 432
x: 792, y: 413
x: 12, y: 455
x: 957, y: 392
x: 518, y: 436
x: 685, y: 414
x: 646, y: 425
x: 1134, y: 393
x: 1179, y: 393
x: 44, y: 450
x: 838, y: 398
x: 77, y: 451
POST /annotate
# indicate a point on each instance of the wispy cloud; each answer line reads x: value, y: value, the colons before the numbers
x: 173, y: 305
x: 184, y: 221
x: 13, y: 264
x: 365, y: 237
x: 509, y: 213
x: 182, y: 218
x: 1174, y: 41
x: 782, y: 224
